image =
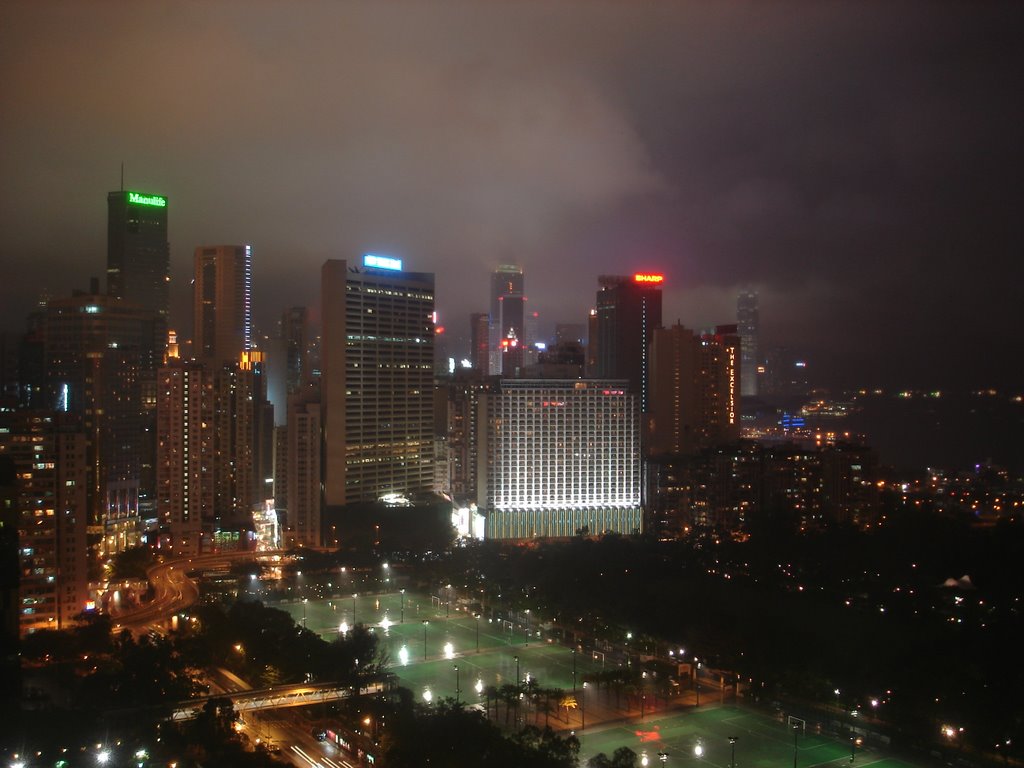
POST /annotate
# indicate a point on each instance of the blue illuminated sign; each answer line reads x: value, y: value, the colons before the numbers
x: 381, y: 262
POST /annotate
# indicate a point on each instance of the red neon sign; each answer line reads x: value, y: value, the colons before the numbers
x: 641, y: 277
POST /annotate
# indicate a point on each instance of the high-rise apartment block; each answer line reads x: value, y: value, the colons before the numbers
x: 747, y: 321
x: 50, y: 509
x: 204, y: 455
x: 628, y: 312
x: 139, y: 254
x: 559, y: 458
x: 695, y: 389
x: 508, y: 309
x: 377, y: 383
x: 302, y: 459
x: 222, y: 303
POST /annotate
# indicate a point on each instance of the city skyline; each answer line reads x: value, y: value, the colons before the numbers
x: 857, y: 167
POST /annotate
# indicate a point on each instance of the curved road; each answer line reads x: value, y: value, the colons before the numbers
x: 174, y: 591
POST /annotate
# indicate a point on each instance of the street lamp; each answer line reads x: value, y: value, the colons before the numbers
x: 698, y: 750
x: 696, y: 677
x: 574, y: 670
x: 527, y: 626
x: 304, y: 601
x: 517, y: 672
x: 354, y: 596
x: 457, y: 689
x: 425, y: 622
x: 427, y: 695
x: 402, y: 617
x: 583, y: 706
x: 796, y: 734
x: 477, y: 617
x: 732, y: 751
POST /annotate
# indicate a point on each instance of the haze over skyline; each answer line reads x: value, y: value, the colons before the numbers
x: 858, y: 164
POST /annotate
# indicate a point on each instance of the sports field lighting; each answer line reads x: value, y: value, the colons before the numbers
x: 698, y: 750
x: 449, y: 651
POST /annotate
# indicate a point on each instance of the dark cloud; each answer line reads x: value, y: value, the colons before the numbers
x: 858, y: 163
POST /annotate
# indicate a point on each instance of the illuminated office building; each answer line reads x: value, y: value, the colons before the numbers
x: 508, y: 309
x: 558, y: 458
x: 139, y: 254
x: 49, y: 502
x: 628, y: 312
x: 377, y: 383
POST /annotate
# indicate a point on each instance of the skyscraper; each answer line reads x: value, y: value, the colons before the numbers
x: 138, y: 252
x: 628, y: 312
x: 377, y: 381
x: 222, y: 303
x: 479, y: 336
x: 294, y: 332
x: 303, y: 473
x: 205, y: 454
x: 695, y: 389
x: 508, y: 334
x: 558, y: 458
x: 747, y: 320
x: 98, y: 362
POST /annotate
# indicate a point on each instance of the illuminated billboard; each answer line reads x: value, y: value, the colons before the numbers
x: 382, y: 262
x: 644, y: 277
x: 138, y: 198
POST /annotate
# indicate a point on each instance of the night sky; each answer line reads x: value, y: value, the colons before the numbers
x: 860, y: 164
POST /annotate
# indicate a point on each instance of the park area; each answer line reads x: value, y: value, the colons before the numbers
x: 438, y: 650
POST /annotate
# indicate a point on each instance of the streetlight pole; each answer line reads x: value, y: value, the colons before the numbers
x: 304, y: 601
x: 796, y: 734
x: 354, y: 596
x: 517, y: 673
x: 696, y: 677
x: 732, y: 748
x: 402, y: 617
x: 457, y: 689
x: 425, y: 639
x: 574, y: 670
x: 583, y: 706
x: 477, y: 617
x: 527, y: 626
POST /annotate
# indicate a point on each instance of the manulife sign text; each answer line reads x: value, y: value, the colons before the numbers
x: 140, y: 199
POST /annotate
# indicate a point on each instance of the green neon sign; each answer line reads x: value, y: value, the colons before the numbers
x: 155, y: 200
